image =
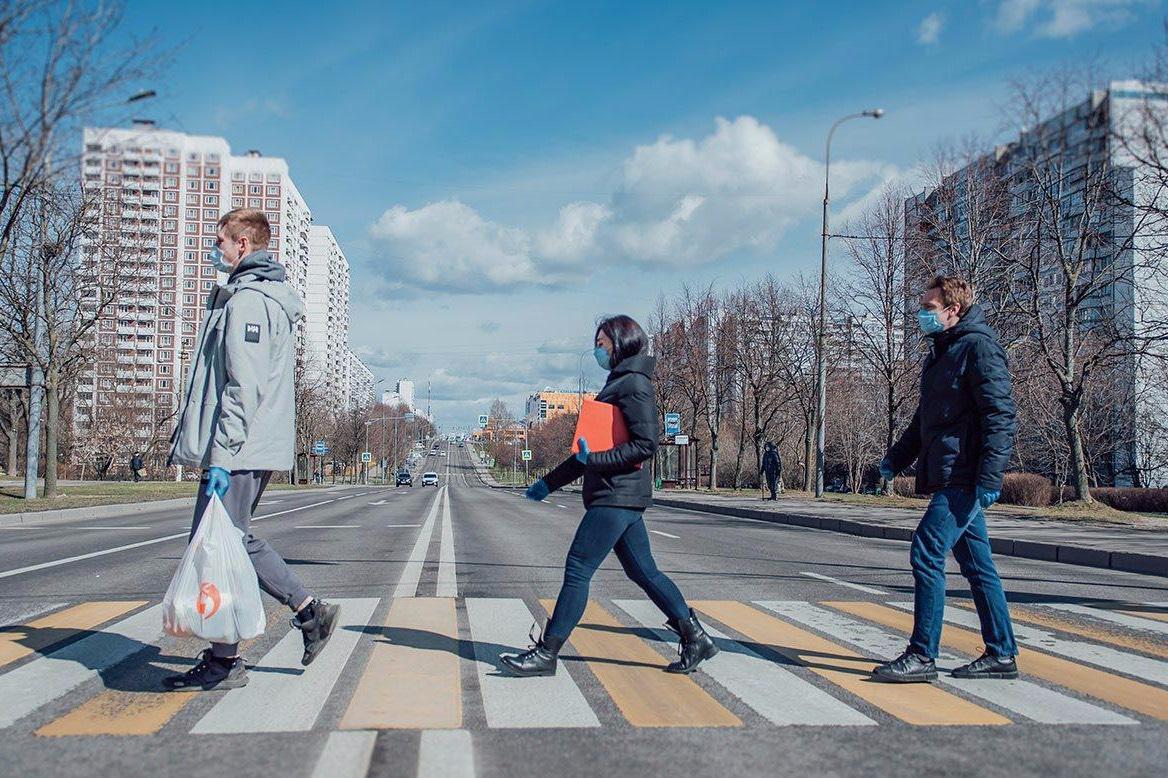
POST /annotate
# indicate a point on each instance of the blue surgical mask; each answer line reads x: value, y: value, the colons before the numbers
x: 602, y: 357
x: 929, y: 323
x: 217, y: 260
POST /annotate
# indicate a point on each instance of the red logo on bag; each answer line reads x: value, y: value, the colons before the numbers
x: 208, y: 602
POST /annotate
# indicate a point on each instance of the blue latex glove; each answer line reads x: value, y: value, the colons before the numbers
x: 886, y: 470
x: 218, y: 480
x: 537, y: 491
x: 987, y: 497
x: 582, y: 455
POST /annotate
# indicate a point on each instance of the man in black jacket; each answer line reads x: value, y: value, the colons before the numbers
x: 960, y: 438
x: 772, y: 468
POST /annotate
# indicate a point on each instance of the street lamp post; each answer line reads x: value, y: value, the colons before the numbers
x: 820, y: 337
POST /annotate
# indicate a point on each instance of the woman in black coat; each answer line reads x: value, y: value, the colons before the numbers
x: 617, y: 490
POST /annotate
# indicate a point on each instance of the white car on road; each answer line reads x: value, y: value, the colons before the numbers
x: 429, y: 479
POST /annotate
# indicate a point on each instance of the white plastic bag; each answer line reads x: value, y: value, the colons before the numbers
x: 214, y: 593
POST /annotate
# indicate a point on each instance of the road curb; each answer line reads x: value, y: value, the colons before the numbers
x: 1126, y: 561
x: 113, y: 510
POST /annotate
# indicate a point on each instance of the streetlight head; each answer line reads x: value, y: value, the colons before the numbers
x: 875, y: 113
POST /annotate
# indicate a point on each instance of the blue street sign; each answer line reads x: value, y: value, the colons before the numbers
x: 672, y: 424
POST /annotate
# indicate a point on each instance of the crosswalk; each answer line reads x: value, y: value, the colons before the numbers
x: 432, y: 664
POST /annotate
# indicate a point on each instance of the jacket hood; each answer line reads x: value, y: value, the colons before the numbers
x: 972, y: 323
x: 638, y: 363
x: 259, y: 272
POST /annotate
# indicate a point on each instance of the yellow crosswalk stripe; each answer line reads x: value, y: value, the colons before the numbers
x: 119, y: 713
x: 19, y: 640
x: 1099, y: 634
x: 632, y: 674
x: 912, y: 703
x: 412, y: 679
x: 1124, y: 692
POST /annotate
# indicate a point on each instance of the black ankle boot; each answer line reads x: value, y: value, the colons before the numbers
x: 696, y: 646
x: 540, y: 659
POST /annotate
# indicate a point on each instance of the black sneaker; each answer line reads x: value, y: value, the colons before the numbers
x: 210, y: 673
x: 316, y: 622
x: 909, y: 667
x: 988, y: 666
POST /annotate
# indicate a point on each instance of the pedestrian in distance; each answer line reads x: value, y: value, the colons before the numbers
x: 136, y: 465
x: 617, y: 490
x: 237, y: 424
x: 772, y: 468
x: 960, y: 437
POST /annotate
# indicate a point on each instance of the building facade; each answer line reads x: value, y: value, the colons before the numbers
x: 549, y: 403
x: 326, y: 298
x: 360, y: 383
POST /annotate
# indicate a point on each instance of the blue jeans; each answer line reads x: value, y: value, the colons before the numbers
x: 602, y: 530
x: 954, y: 520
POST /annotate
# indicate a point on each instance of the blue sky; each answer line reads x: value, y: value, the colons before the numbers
x: 501, y: 174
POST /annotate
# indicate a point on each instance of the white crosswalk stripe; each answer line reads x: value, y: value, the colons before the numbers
x: 1101, y: 656
x: 1122, y: 619
x: 283, y: 696
x: 551, y: 701
x: 43, y: 680
x: 776, y: 694
x: 1023, y: 697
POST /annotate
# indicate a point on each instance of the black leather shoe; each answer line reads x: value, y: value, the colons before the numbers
x: 909, y: 667
x: 988, y: 666
x: 541, y: 659
x: 695, y: 647
x: 209, y: 674
x: 316, y: 622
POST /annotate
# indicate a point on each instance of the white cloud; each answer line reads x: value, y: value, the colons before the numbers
x: 677, y: 203
x: 1063, y: 18
x: 929, y: 31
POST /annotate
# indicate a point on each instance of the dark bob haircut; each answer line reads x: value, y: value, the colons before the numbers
x: 628, y: 339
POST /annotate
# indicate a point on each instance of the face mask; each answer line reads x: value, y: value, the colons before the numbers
x: 602, y: 357
x: 929, y: 323
x: 217, y: 260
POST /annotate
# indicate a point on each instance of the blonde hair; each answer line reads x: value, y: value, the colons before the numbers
x: 954, y: 291
x: 250, y: 222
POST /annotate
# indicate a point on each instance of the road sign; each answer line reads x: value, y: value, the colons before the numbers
x: 483, y: 420
x: 672, y: 424
x: 526, y: 455
x: 681, y: 440
x: 320, y: 448
x: 366, y: 457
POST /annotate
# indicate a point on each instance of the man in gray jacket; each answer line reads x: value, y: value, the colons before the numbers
x: 238, y: 424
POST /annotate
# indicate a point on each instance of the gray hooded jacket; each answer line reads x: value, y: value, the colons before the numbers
x: 239, y: 412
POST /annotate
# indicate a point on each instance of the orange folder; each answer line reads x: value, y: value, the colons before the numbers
x: 602, y: 425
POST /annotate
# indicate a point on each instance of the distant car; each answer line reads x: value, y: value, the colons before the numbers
x: 441, y: 453
x: 404, y: 477
x: 429, y: 479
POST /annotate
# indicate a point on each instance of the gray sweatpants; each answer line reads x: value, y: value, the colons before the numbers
x: 276, y: 578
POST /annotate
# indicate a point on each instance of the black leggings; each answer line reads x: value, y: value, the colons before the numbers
x: 600, y: 531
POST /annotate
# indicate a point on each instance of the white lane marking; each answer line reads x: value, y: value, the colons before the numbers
x: 446, y: 753
x: 273, y: 702
x: 407, y: 585
x: 329, y: 526
x: 565, y: 507
x: 1023, y: 697
x: 43, y: 680
x: 391, y: 526
x: 347, y: 497
x: 128, y: 546
x: 837, y: 581
x: 82, y: 529
x: 775, y: 693
x: 270, y: 502
x: 1123, y: 619
x: 546, y: 701
x: 447, y: 580
x: 665, y: 534
x: 346, y: 755
x: 1102, y: 656
x: 379, y: 502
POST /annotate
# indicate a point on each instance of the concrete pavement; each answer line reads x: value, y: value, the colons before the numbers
x: 435, y: 583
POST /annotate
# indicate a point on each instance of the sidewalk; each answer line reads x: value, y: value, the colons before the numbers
x: 1138, y: 548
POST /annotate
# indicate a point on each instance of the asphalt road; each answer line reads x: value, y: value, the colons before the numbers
x: 436, y: 582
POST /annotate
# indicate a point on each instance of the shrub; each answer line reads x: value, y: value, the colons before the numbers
x: 905, y: 486
x: 1132, y: 499
x: 1027, y: 489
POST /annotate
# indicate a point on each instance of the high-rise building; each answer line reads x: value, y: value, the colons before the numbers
x: 326, y: 342
x: 360, y: 382
x: 161, y: 194
x: 550, y: 403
